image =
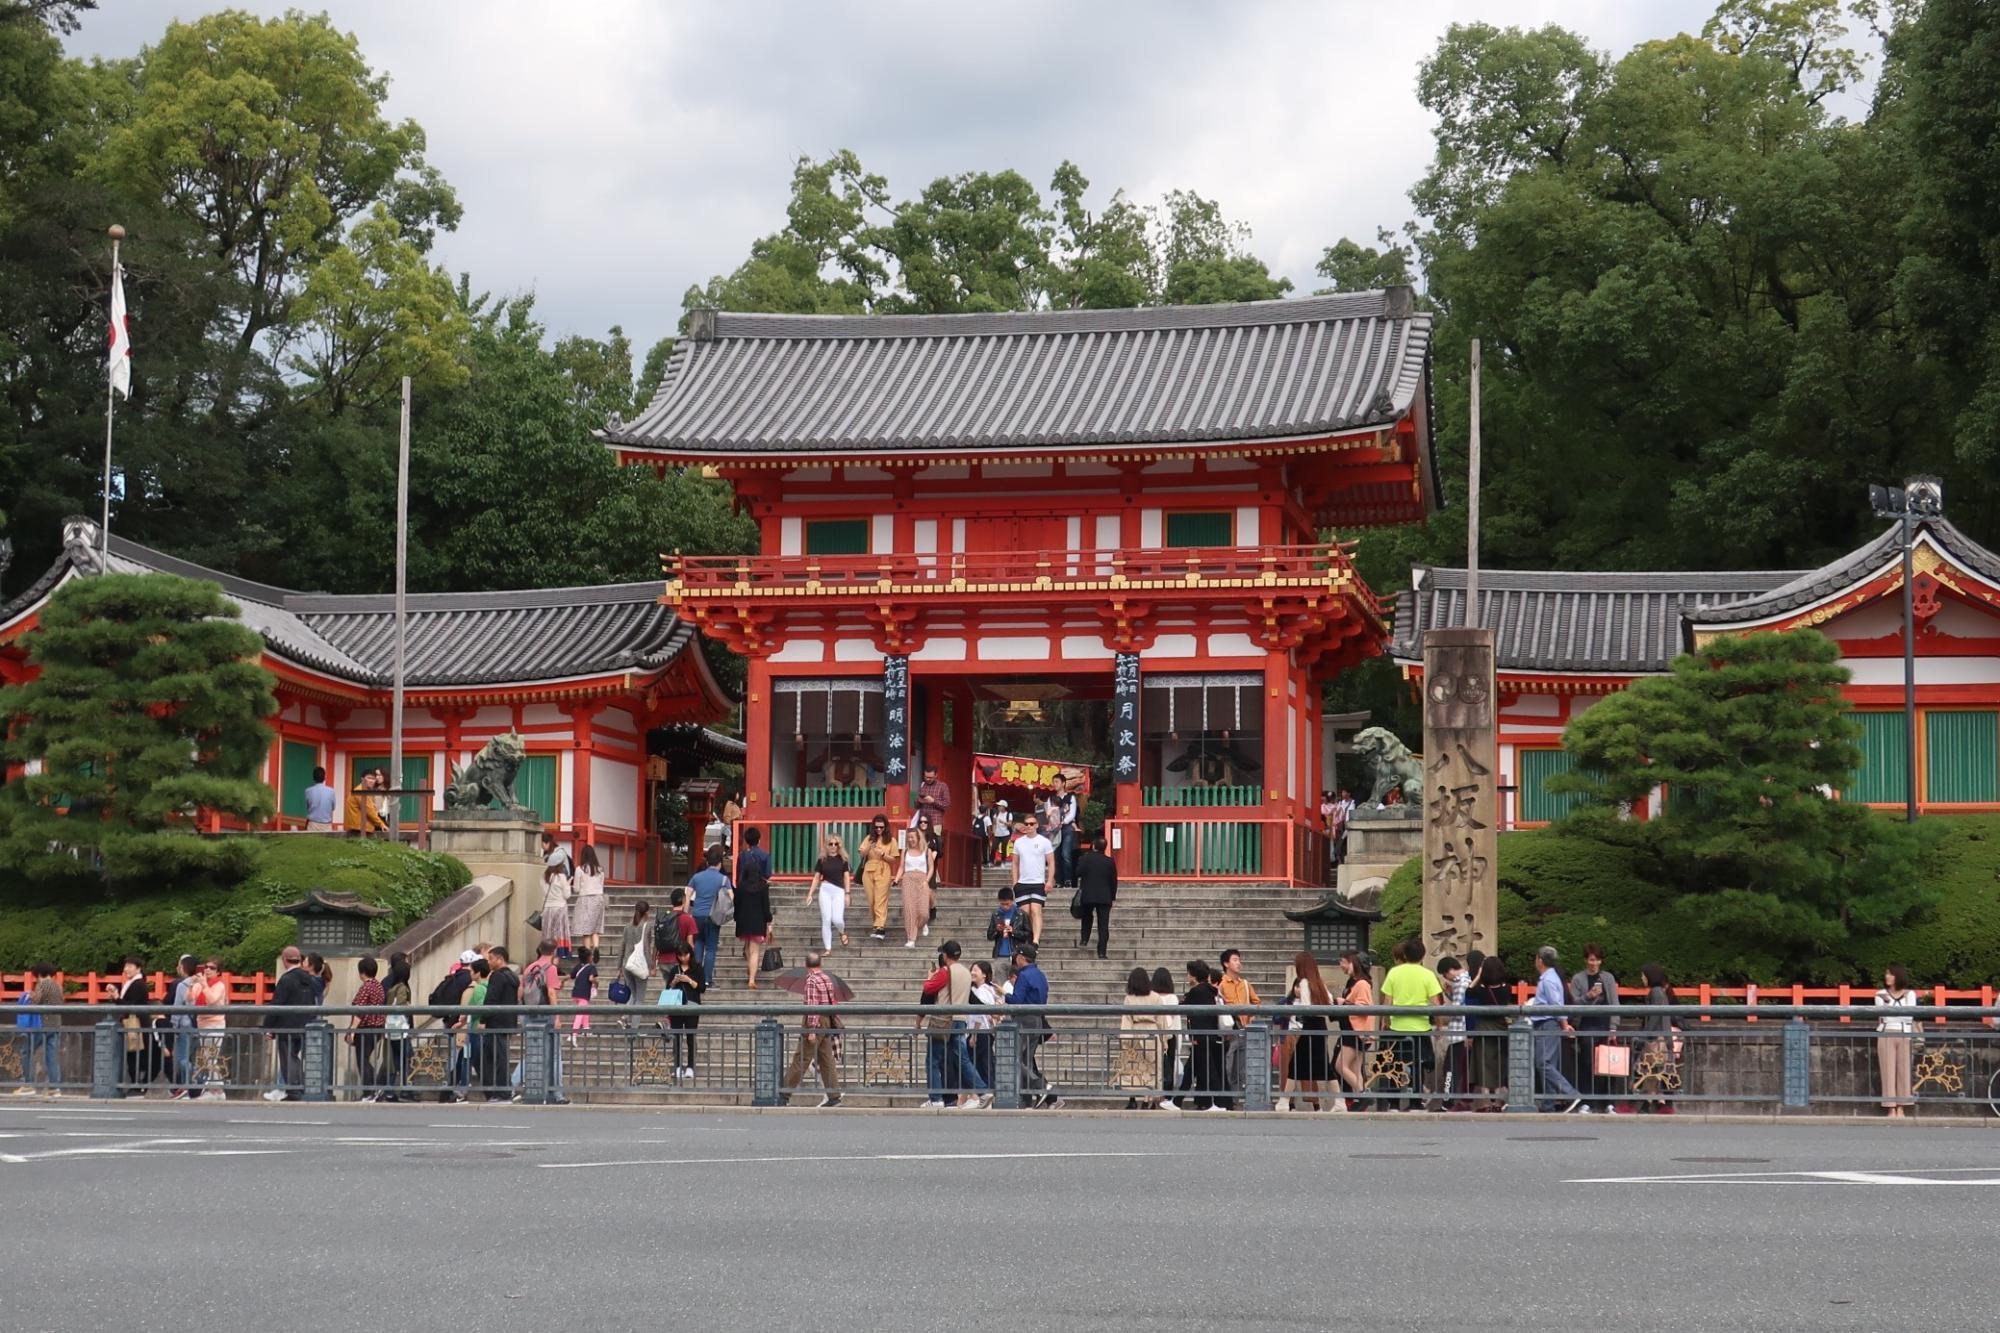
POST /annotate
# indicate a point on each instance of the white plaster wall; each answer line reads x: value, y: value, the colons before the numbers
x: 1172, y: 645
x: 1246, y: 525
x: 940, y: 650
x: 1291, y: 751
x: 1149, y: 528
x: 855, y: 650
x: 490, y: 719
x: 616, y: 719
x: 1233, y: 645
x: 543, y: 715
x: 924, y: 534
x: 791, y: 536
x: 566, y: 787
x: 1020, y: 470
x: 1025, y: 648
x: 1086, y: 647
x: 1930, y: 670
x: 884, y: 538
x: 614, y: 792
x: 1534, y: 705
x: 801, y: 650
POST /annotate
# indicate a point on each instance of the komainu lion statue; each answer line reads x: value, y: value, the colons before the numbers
x: 1391, y: 766
x: 488, y: 780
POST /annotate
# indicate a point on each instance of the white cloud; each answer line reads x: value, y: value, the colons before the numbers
x: 609, y: 155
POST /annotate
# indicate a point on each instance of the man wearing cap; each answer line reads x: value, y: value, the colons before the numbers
x: 1030, y: 986
x: 296, y: 988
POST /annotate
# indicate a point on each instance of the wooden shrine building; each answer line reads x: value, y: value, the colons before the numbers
x: 1124, y: 505
x: 585, y: 676
x: 1565, y: 640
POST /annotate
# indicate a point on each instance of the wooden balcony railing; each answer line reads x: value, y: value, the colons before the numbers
x: 1321, y: 564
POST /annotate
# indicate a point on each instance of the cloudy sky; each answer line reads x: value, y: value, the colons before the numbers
x: 610, y: 153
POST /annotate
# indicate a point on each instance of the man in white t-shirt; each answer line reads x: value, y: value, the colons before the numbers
x: 1033, y: 854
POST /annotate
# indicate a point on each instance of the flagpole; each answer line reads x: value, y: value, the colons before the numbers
x: 117, y: 234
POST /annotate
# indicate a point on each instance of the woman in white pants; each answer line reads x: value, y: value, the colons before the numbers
x: 829, y: 885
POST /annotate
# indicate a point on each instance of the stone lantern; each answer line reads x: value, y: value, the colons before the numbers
x: 333, y: 924
x: 1333, y: 927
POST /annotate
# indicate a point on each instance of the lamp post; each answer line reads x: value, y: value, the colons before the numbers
x: 1918, y: 499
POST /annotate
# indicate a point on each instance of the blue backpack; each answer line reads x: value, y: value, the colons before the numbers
x: 26, y: 1020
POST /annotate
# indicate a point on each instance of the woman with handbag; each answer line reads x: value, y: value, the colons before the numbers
x: 635, y: 952
x: 1659, y: 1030
x: 1308, y: 1066
x: 1892, y: 1040
x: 879, y: 858
x: 555, y: 907
x: 689, y: 983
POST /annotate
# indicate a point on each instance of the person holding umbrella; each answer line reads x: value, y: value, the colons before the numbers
x: 816, y: 1032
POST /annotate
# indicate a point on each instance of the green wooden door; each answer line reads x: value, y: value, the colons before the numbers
x: 296, y: 761
x: 1879, y: 780
x: 1539, y: 805
x: 837, y: 536
x: 1216, y: 528
x: 1962, y: 757
x: 535, y: 785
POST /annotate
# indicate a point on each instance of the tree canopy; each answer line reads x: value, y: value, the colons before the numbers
x: 149, y: 708
x: 1750, y: 738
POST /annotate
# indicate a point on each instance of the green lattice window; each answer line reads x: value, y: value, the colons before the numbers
x: 1961, y: 757
x: 296, y: 761
x: 1879, y: 780
x: 535, y: 786
x: 1537, y: 804
x: 1202, y: 528
x: 837, y: 536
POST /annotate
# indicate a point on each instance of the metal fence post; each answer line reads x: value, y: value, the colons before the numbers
x: 1006, y: 1065
x: 318, y: 1060
x: 1798, y: 1063
x: 767, y: 1063
x: 1520, y: 1065
x: 538, y: 1036
x: 1257, y: 1066
x: 107, y: 1058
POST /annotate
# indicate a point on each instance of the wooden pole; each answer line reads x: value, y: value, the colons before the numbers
x: 1472, y: 616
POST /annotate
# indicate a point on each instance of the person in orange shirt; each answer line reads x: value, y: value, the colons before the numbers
x: 363, y: 816
x: 211, y: 993
x: 1237, y: 992
x: 1351, y: 1062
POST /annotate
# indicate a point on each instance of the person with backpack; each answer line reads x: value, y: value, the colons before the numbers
x: 449, y: 993
x: 1008, y: 928
x: 539, y: 982
x: 39, y: 1030
x: 711, y: 894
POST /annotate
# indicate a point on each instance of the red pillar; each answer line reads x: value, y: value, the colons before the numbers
x: 583, y: 743
x: 757, y: 739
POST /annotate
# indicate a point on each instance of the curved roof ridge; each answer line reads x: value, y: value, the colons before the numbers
x: 1374, y: 303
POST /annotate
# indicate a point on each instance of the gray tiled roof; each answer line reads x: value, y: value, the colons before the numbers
x: 454, y: 639
x: 1252, y: 370
x: 1818, y: 584
x: 1547, y: 621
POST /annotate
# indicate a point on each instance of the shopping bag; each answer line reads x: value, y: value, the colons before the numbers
x: 1612, y: 1061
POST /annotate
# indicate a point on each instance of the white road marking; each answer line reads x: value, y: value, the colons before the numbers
x: 1913, y: 1176
x: 848, y: 1157
x: 465, y: 1125
x: 267, y: 1120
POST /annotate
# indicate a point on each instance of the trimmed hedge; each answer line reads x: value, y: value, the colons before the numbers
x: 235, y: 923
x: 1569, y: 891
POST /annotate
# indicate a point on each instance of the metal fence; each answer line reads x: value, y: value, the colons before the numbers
x: 1655, y: 1060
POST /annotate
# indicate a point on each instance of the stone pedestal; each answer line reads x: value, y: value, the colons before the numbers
x: 1460, y: 821
x: 502, y: 844
x: 1378, y: 842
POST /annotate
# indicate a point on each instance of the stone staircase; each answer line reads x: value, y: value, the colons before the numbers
x: 1153, y: 925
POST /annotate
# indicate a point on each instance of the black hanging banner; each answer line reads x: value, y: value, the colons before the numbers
x: 1125, y: 718
x: 896, y: 718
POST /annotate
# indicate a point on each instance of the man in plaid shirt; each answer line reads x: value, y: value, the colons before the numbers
x: 366, y: 1031
x: 817, y: 1035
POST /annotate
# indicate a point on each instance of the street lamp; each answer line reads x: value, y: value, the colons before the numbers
x: 1917, y: 499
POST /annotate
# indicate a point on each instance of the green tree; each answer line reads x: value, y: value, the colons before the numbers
x: 1352, y: 267
x: 1749, y: 736
x: 149, y: 709
x: 969, y: 243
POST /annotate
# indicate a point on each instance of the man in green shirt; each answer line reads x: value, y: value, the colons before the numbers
x: 475, y: 995
x: 1410, y: 983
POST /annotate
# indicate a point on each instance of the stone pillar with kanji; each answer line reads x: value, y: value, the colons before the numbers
x: 1461, y: 799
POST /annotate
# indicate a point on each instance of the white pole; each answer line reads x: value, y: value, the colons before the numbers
x: 402, y: 573
x: 104, y: 526
x: 1472, y: 616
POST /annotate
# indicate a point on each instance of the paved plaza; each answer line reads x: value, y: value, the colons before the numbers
x: 306, y: 1217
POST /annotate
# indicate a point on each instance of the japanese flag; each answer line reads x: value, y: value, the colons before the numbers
x: 121, y: 338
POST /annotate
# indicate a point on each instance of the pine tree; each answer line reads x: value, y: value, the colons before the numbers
x: 1751, y: 738
x: 149, y: 709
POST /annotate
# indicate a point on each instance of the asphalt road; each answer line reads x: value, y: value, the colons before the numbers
x: 348, y: 1217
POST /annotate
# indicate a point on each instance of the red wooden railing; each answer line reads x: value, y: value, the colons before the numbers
x: 104, y: 987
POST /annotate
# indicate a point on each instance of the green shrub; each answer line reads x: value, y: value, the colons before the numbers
x: 235, y: 923
x: 1569, y: 891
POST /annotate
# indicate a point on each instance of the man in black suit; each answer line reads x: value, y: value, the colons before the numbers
x: 295, y: 986
x: 1096, y: 891
x: 503, y: 987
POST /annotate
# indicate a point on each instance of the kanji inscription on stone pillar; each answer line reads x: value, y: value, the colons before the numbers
x: 1461, y: 798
